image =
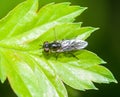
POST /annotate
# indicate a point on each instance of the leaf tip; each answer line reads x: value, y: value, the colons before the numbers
x: 96, y: 88
x: 115, y: 81
x: 83, y: 8
x: 96, y: 28
x: 103, y: 62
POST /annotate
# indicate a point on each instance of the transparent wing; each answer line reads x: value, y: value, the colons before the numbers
x: 74, y: 44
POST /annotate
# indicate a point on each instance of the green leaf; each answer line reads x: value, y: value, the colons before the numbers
x: 20, y: 19
x: 61, y: 12
x: 31, y: 77
x: 2, y: 68
x: 85, y: 32
x: 33, y: 73
x: 53, y: 78
x: 80, y: 74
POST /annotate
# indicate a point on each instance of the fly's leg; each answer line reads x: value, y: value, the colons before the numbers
x: 56, y: 55
x: 74, y: 55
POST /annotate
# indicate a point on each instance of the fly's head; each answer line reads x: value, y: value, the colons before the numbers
x: 46, y: 46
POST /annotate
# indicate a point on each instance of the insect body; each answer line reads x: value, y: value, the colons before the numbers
x: 51, y: 47
x: 64, y: 45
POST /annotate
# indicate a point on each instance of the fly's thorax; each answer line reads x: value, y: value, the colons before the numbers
x: 55, y: 46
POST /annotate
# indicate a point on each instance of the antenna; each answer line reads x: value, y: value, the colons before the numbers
x: 55, y: 34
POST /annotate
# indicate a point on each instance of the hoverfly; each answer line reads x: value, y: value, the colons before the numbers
x: 64, y: 45
x: 61, y: 46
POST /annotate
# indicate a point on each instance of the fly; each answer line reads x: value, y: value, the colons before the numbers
x: 64, y: 45
x: 61, y: 46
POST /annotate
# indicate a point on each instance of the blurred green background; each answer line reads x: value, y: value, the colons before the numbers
x: 105, y: 42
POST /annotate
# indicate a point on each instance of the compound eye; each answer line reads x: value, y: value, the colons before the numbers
x: 46, y: 45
